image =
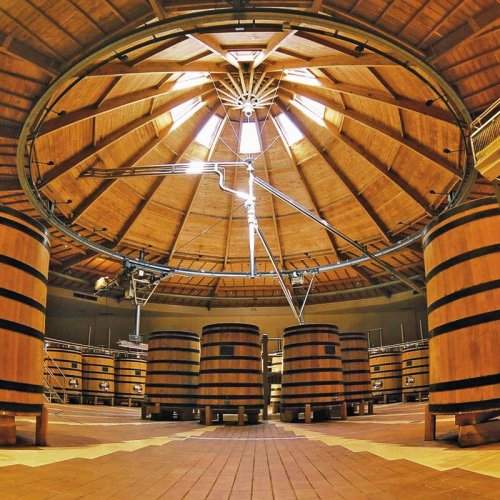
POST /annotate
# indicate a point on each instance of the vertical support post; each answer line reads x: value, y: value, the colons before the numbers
x: 381, y: 340
x: 370, y: 407
x: 241, y: 415
x: 7, y: 430
x: 343, y: 411
x: 421, y: 330
x: 90, y: 334
x: 307, y: 414
x: 402, y: 333
x: 137, y: 328
x: 144, y: 411
x: 208, y: 415
x: 109, y: 338
x: 361, y: 407
x: 42, y: 421
x: 265, y: 374
x: 430, y: 425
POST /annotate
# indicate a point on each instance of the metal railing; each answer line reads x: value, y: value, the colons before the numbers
x: 485, y: 129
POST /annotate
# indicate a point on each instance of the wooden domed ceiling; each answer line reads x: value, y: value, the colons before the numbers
x: 348, y: 123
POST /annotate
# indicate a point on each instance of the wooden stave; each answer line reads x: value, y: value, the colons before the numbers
x: 184, y: 370
x: 304, y: 360
x: 24, y: 261
x: 465, y: 238
x: 419, y: 371
x: 126, y: 378
x: 391, y: 371
x: 92, y: 376
x: 354, y: 353
x: 63, y: 361
x: 223, y: 380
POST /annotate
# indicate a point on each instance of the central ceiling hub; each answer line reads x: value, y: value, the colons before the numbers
x: 248, y: 91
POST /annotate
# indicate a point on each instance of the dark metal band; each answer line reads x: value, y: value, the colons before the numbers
x: 489, y: 404
x: 10, y: 385
x: 464, y: 292
x: 463, y: 257
x: 467, y: 383
x: 469, y: 321
x: 26, y: 230
x: 23, y: 299
x: 13, y: 326
x: 17, y: 264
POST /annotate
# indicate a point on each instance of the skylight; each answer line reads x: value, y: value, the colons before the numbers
x: 206, y: 135
x: 190, y: 79
x: 290, y: 131
x: 301, y: 75
x: 249, y: 138
x: 314, y: 110
x: 245, y: 55
x: 184, y: 111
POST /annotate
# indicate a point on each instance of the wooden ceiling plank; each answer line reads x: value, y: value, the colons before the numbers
x: 366, y: 60
x: 276, y: 41
x: 375, y: 162
x: 32, y: 34
x: 356, y: 195
x: 375, y: 95
x: 377, y: 127
x: 316, y: 5
x: 118, y: 134
x: 310, y: 194
x: 265, y: 161
x: 465, y: 33
x: 159, y: 181
x: 20, y: 50
x: 118, y: 102
x: 326, y: 43
x: 194, y: 194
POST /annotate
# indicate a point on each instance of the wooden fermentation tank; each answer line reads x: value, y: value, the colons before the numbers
x: 230, y: 371
x: 173, y: 366
x: 24, y: 265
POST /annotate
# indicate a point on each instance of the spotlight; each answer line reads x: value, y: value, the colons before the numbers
x: 121, y: 57
x: 359, y: 49
x: 430, y: 102
x: 447, y: 151
x: 58, y: 113
x: 431, y: 191
x: 50, y: 162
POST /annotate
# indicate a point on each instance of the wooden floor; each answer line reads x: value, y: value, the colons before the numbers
x: 104, y: 452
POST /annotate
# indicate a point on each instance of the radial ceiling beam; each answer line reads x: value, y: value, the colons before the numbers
x: 366, y: 60
x: 10, y: 184
x: 465, y: 33
x: 214, y: 46
x: 76, y: 259
x: 158, y: 9
x: 89, y: 151
x: 347, y: 183
x: 116, y: 103
x: 159, y: 181
x: 375, y: 95
x: 326, y: 43
x: 411, y: 144
x: 19, y: 50
x: 375, y: 162
x: 312, y: 198
x: 156, y: 49
x: 120, y: 68
x: 276, y: 41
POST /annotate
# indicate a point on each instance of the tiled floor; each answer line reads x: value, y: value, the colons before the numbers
x: 107, y: 452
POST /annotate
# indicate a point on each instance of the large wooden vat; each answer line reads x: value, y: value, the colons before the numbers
x: 415, y: 370
x: 173, y: 365
x: 312, y: 367
x: 462, y: 266
x: 231, y: 368
x: 355, y: 366
x: 63, y: 369
x: 385, y: 368
x: 24, y: 265
x: 130, y: 377
x: 98, y: 375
